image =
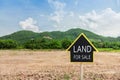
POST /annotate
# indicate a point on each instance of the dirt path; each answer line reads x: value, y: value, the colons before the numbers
x: 55, y: 65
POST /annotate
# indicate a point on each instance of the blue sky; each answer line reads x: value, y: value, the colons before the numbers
x: 99, y: 16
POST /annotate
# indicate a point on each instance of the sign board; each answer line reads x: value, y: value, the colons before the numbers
x: 81, y: 50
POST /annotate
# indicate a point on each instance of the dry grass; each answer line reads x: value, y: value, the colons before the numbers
x: 55, y: 65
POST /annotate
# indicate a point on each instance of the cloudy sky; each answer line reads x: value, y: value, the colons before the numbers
x: 99, y: 16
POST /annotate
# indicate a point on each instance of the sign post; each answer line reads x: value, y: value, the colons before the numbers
x: 81, y: 71
x: 81, y: 50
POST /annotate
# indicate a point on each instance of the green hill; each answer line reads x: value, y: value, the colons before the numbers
x: 23, y: 36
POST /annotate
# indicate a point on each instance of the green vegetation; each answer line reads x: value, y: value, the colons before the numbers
x: 108, y: 50
x: 8, y: 44
x: 66, y: 77
x: 108, y: 44
x: 66, y: 43
x: 55, y: 40
x: 42, y: 44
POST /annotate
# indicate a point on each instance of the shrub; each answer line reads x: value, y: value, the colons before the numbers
x: 65, y: 43
x: 8, y: 44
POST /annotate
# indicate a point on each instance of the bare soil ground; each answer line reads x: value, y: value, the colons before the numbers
x: 56, y: 65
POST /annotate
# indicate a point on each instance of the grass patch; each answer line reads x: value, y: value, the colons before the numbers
x: 108, y: 50
x: 47, y: 50
x: 66, y: 77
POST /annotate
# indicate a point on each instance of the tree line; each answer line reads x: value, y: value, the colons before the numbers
x: 35, y: 44
x: 51, y: 44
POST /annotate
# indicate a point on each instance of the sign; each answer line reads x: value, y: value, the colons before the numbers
x: 81, y: 50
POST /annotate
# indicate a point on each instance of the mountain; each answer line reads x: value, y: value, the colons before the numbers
x: 20, y: 36
x: 23, y: 36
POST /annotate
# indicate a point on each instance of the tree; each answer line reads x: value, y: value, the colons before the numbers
x: 8, y: 44
x: 65, y: 43
x: 30, y: 44
x: 54, y: 44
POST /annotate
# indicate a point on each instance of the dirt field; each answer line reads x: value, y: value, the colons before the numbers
x: 55, y: 65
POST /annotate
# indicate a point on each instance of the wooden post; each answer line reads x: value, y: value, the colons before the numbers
x: 81, y: 71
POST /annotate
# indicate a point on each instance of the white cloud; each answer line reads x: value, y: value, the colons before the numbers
x: 58, y: 14
x: 57, y: 5
x: 106, y: 22
x: 29, y: 24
